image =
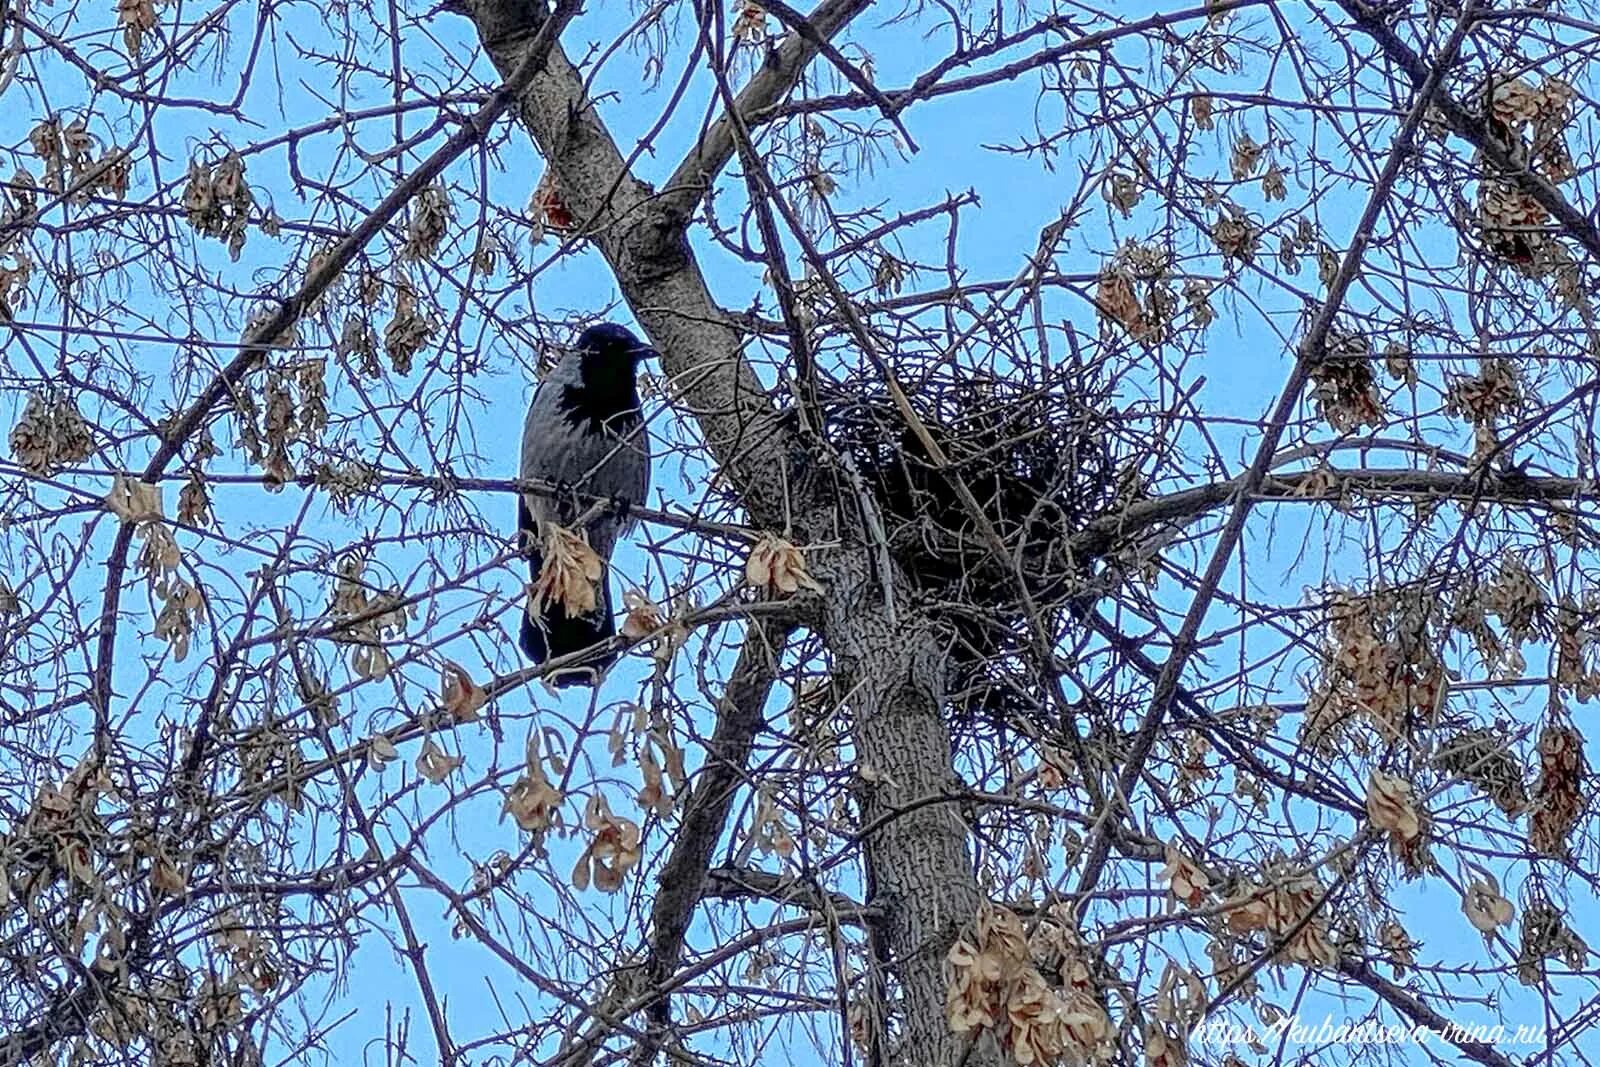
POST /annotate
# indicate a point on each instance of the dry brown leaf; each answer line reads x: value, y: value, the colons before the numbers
x: 750, y: 25
x: 1484, y: 907
x: 653, y: 795
x: 430, y: 220
x: 1189, y: 882
x: 134, y: 501
x: 1246, y: 156
x: 533, y: 802
x: 136, y: 17
x: 1117, y: 300
x: 611, y: 853
x: 1273, y: 186
x: 381, y: 752
x: 1162, y: 1049
x: 166, y: 878
x: 461, y: 697
x: 1398, y: 944
x: 643, y: 615
x: 777, y: 566
x: 1391, y: 806
x: 409, y: 331
x: 570, y: 576
x: 434, y: 764
x: 1247, y: 909
x: 548, y: 209
x: 52, y: 433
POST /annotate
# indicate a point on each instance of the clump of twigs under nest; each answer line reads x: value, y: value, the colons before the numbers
x: 1036, y: 448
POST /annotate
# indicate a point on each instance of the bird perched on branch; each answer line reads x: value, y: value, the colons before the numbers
x: 584, y: 433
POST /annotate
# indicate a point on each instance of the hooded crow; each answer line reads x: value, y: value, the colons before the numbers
x: 584, y: 431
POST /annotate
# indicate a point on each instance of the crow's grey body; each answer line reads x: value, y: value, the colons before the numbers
x: 584, y: 431
x: 613, y: 462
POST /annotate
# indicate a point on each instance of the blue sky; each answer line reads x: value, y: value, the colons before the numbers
x: 1244, y: 365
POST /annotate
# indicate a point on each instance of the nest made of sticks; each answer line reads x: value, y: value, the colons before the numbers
x: 1037, y: 448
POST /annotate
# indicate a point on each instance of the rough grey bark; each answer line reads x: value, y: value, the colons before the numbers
x: 916, y: 852
x: 887, y: 661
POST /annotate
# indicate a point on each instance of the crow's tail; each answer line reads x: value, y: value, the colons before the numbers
x: 558, y: 633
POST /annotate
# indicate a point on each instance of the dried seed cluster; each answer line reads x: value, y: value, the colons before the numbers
x: 296, y: 412
x: 570, y: 575
x: 1545, y: 935
x: 137, y: 18
x: 1150, y: 320
x: 410, y: 330
x: 62, y: 864
x: 1558, y: 796
x: 994, y: 985
x: 1344, y: 384
x: 218, y: 201
x: 1378, y: 667
x: 51, y: 435
x: 368, y: 619
x: 430, y: 221
x: 1481, y: 756
x: 1483, y: 399
x: 67, y: 153
x: 778, y: 568
x: 1286, y: 907
x: 1236, y: 234
x: 1530, y: 121
x: 1485, y: 907
x: 612, y: 851
x: 1399, y: 946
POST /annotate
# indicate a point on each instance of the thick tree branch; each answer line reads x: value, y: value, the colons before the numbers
x: 1485, y: 485
x: 705, y: 814
x: 1417, y: 1010
x: 740, y: 883
x: 773, y: 82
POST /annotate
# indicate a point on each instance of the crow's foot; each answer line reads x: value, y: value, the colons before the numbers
x: 568, y: 502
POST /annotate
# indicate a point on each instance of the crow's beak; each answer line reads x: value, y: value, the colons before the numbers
x: 644, y: 352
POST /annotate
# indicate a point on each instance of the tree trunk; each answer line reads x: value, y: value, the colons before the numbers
x: 917, y: 861
x: 891, y: 667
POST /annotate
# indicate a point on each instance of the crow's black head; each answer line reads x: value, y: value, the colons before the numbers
x: 608, y: 396
x: 610, y: 343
